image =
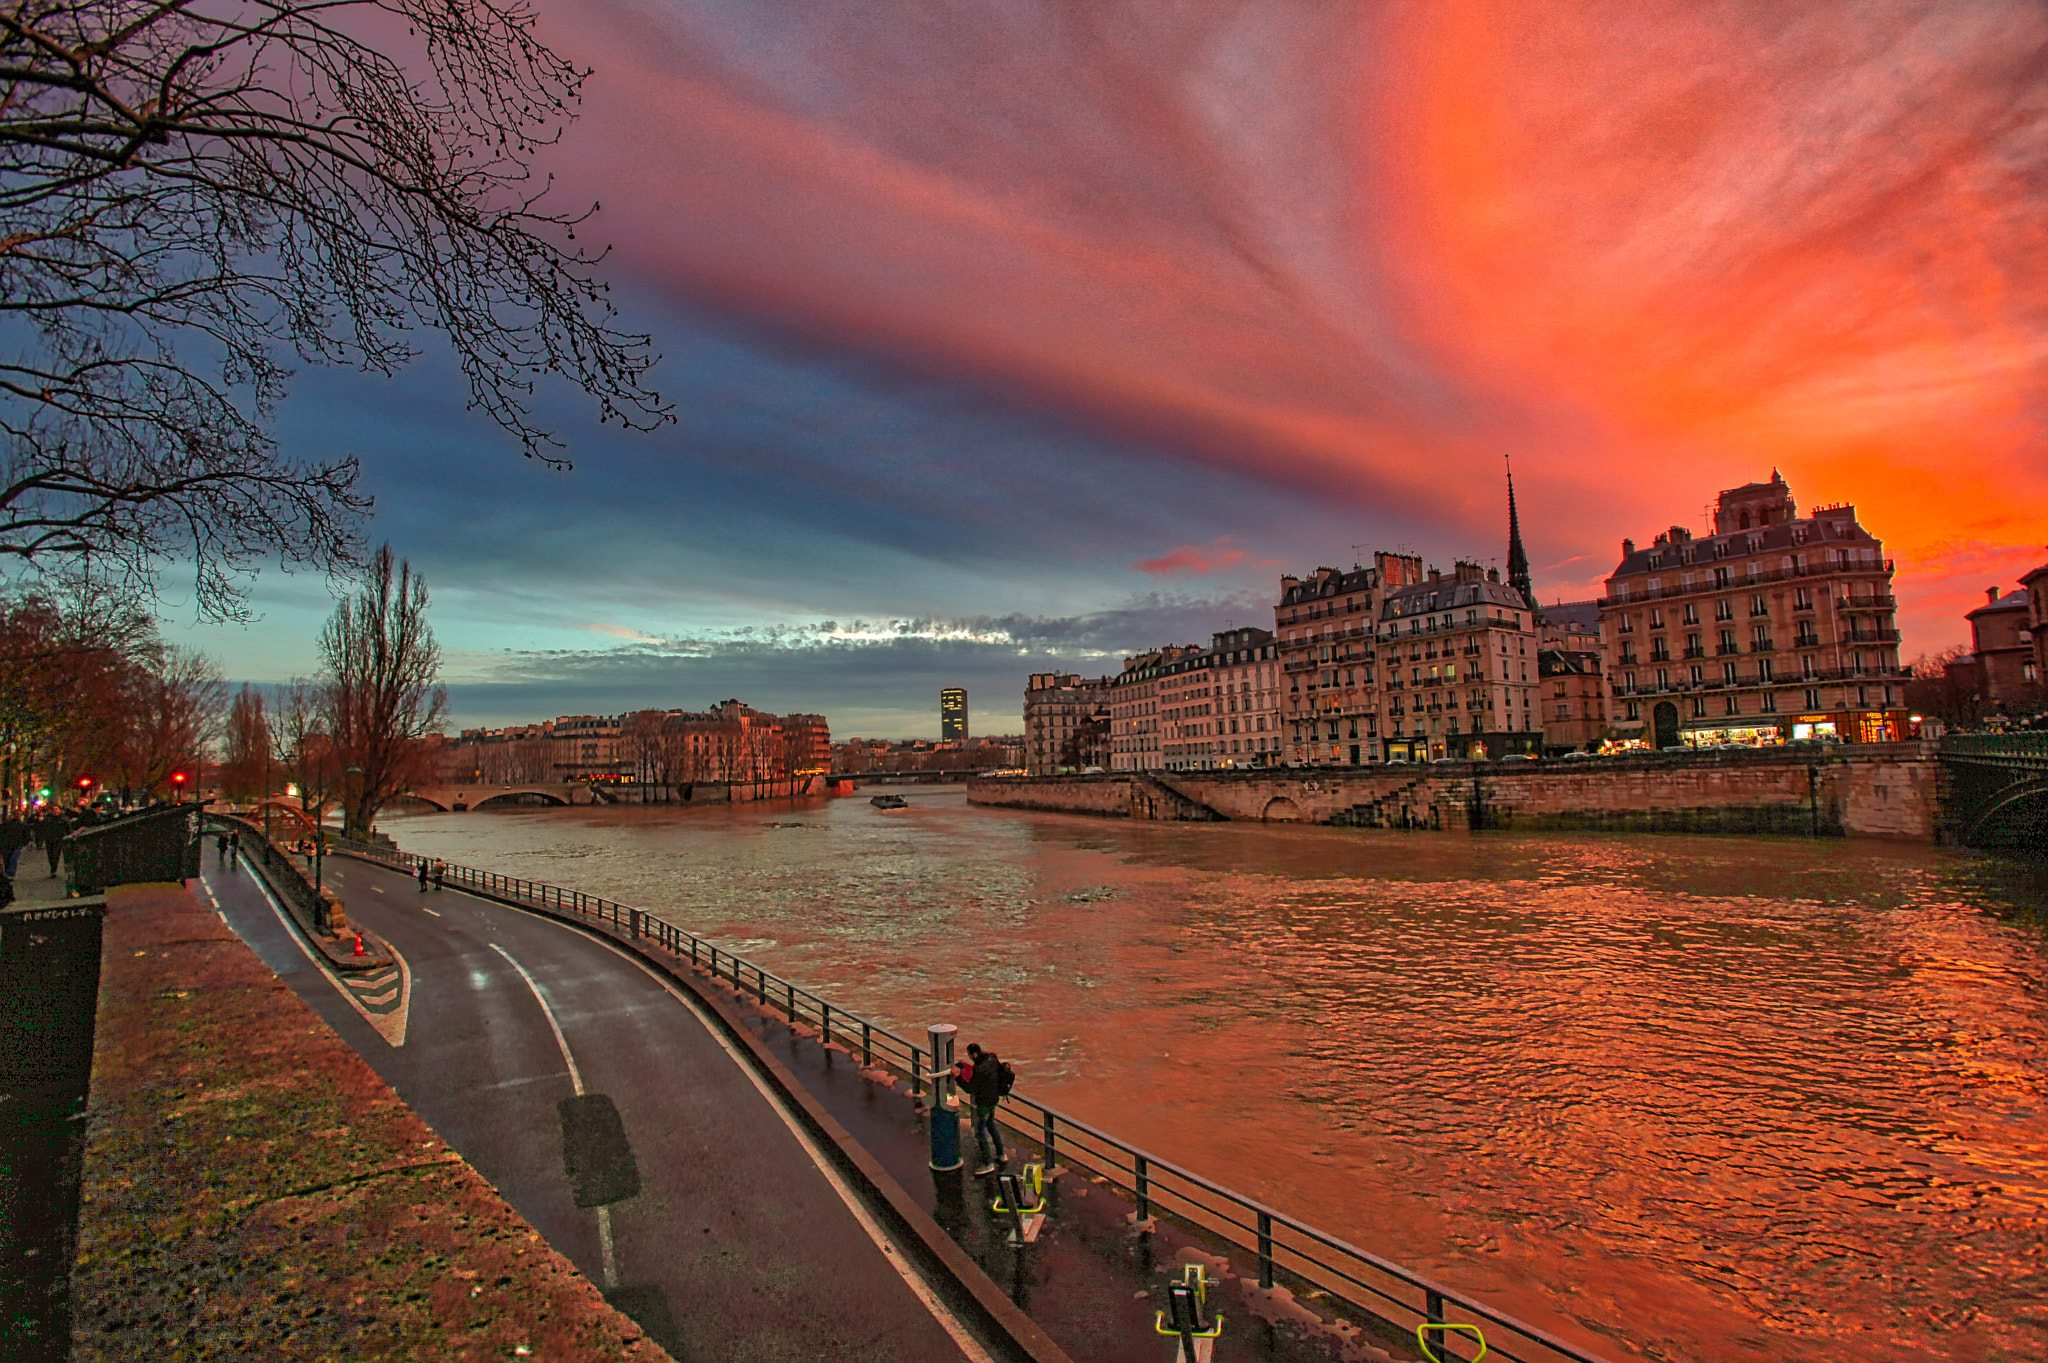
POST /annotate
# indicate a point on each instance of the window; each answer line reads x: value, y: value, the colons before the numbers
x: 1734, y: 705
x: 1692, y: 613
x: 1657, y: 618
x: 1770, y: 702
x: 1813, y: 698
x: 1728, y: 674
x: 1759, y: 606
x: 1720, y: 577
x: 1699, y: 707
x: 1724, y: 609
x: 1633, y: 713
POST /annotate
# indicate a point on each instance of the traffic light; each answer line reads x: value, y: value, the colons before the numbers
x: 177, y: 778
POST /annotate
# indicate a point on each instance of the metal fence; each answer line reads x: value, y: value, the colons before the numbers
x: 1283, y: 1250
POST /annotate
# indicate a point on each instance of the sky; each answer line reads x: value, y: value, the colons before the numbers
x: 1024, y: 335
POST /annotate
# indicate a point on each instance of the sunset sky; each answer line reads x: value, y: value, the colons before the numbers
x: 1014, y: 336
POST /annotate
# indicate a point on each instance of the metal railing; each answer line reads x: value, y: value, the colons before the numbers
x: 1280, y: 1246
x: 284, y: 875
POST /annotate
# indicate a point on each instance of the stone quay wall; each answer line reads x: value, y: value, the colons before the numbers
x: 1886, y: 790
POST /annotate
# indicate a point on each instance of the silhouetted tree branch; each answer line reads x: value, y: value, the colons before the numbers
x: 193, y: 196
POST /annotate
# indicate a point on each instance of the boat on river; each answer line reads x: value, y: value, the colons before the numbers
x: 889, y: 802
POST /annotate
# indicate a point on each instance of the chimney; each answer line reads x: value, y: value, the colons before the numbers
x: 1627, y: 547
x: 1991, y: 596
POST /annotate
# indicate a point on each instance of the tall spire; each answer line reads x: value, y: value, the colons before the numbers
x: 1518, y: 558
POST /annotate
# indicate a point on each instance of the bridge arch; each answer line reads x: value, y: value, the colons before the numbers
x: 2019, y: 815
x: 423, y: 799
x: 550, y: 796
x: 1280, y: 809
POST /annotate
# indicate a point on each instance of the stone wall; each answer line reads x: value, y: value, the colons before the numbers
x: 1874, y: 790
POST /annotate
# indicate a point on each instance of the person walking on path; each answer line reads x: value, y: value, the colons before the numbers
x: 55, y: 829
x: 220, y: 849
x: 422, y: 868
x: 440, y: 872
x: 985, y: 1090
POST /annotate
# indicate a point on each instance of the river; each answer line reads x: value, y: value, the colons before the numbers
x: 1724, y: 1098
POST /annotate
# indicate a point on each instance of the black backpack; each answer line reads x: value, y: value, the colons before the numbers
x: 1006, y: 1078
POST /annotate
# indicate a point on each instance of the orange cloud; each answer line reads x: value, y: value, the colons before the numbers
x: 1217, y: 556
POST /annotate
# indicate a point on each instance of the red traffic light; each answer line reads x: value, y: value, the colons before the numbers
x: 177, y: 778
x: 85, y: 783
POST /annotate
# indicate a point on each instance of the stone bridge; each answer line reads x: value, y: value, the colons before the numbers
x: 478, y: 794
x: 1996, y: 790
x: 1865, y: 790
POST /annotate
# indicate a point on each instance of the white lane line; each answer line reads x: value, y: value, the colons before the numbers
x: 425, y: 909
x: 604, y: 1214
x: 905, y: 1270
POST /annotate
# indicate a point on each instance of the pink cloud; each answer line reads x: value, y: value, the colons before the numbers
x: 1199, y: 560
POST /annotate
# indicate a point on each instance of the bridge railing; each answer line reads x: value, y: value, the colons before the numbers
x: 1285, y: 1251
x: 1995, y: 745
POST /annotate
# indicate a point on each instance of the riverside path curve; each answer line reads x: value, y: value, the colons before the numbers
x: 615, y: 1117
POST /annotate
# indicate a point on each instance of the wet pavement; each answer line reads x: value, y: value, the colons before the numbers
x: 617, y: 1122
x: 1092, y: 1280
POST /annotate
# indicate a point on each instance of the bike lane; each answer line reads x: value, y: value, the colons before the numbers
x: 618, y: 1123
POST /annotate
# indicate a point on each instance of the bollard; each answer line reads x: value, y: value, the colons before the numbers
x: 945, y: 1117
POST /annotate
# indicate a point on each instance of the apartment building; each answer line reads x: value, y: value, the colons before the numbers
x: 1774, y: 626
x: 1066, y: 722
x: 1573, y: 684
x: 1459, y: 667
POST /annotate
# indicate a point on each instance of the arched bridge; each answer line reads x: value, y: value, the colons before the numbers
x: 478, y: 794
x: 1997, y: 790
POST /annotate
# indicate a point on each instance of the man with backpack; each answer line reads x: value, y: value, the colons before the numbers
x: 990, y: 1082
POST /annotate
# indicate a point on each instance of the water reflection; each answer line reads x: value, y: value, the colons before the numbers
x: 1735, y: 1098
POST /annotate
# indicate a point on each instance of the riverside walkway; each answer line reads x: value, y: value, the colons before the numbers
x: 613, y: 1159
x: 620, y: 1124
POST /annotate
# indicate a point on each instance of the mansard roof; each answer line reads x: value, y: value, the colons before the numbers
x: 1776, y: 536
x: 1448, y: 594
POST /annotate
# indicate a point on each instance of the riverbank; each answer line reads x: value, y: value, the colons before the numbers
x: 252, y: 1189
x: 1716, y: 1087
x: 1877, y: 790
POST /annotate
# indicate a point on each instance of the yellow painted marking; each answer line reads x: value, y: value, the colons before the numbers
x: 1460, y: 1327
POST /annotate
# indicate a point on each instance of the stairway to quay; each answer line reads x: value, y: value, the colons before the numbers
x: 1882, y: 790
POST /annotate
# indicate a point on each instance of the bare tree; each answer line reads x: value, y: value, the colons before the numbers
x: 172, y: 709
x: 1950, y: 686
x: 382, y: 698
x: 191, y: 200
x: 298, y: 735
x: 245, y: 774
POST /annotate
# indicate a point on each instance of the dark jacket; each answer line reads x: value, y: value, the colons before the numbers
x: 983, y: 1087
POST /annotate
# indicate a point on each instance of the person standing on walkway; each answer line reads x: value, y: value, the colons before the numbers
x: 220, y: 848
x: 985, y: 1090
x: 55, y: 829
x: 422, y: 869
x: 13, y: 837
x: 440, y: 872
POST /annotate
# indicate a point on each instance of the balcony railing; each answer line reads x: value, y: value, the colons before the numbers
x: 1866, y: 603
x: 1773, y: 575
x: 1871, y: 636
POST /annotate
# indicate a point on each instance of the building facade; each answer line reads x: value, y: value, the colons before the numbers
x: 1326, y: 628
x: 1775, y: 626
x: 1459, y: 672
x: 2036, y: 585
x: 1066, y: 723
x: 2006, y: 646
x: 953, y: 715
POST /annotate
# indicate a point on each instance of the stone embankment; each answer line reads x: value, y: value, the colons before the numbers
x: 1884, y: 790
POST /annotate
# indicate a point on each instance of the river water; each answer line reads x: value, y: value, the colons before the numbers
x: 1722, y: 1098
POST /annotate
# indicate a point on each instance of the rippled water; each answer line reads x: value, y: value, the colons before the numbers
x: 1729, y: 1099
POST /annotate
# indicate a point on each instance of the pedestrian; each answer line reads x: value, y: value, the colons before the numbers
x: 13, y: 837
x: 220, y: 848
x: 985, y: 1090
x: 440, y: 872
x: 55, y: 830
x: 422, y: 869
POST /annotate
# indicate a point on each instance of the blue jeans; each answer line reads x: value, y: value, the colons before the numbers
x: 13, y: 860
x: 987, y: 1134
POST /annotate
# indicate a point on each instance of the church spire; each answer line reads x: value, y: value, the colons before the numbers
x: 1518, y: 558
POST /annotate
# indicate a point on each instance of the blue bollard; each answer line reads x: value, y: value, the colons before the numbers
x: 945, y: 1116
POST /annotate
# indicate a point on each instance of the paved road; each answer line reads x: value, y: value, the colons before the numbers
x: 617, y: 1122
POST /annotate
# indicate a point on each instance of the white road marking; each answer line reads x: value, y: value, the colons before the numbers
x: 425, y: 909
x: 604, y: 1214
x: 390, y: 1026
x: 919, y: 1288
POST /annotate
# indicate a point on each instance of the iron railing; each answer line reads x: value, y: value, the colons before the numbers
x: 1280, y: 1246
x: 2032, y: 744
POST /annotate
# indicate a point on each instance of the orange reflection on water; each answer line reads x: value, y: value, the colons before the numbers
x: 1723, y: 1098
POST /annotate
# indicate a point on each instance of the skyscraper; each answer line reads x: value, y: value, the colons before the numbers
x: 953, y: 713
